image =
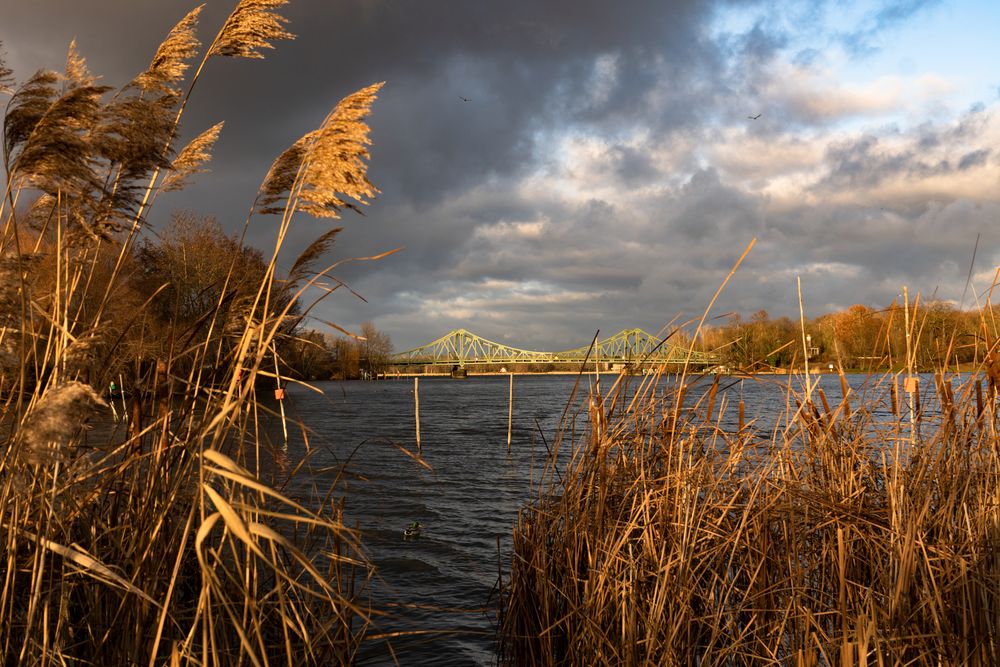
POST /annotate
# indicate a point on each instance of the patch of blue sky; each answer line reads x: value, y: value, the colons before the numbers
x: 955, y: 40
x: 952, y: 40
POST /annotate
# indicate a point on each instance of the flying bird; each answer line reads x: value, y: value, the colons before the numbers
x: 754, y: 117
x: 464, y: 99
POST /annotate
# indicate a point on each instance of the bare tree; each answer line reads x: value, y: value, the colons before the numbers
x: 375, y: 349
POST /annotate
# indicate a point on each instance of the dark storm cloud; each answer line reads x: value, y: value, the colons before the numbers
x: 974, y: 159
x: 525, y: 66
x: 519, y: 63
x: 709, y: 210
x: 638, y: 263
x: 866, y: 163
x: 631, y: 165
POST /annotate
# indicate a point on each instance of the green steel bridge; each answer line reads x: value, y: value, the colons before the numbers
x: 462, y: 348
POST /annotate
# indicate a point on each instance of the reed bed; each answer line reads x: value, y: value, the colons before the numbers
x: 848, y: 533
x: 158, y: 540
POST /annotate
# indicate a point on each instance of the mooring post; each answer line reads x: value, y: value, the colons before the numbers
x: 416, y: 408
x: 510, y: 410
x: 279, y: 395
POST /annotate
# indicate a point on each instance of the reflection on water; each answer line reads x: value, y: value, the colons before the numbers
x: 438, y: 587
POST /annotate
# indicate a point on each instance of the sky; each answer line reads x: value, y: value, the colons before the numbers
x: 612, y: 160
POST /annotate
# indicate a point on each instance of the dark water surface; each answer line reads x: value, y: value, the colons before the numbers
x: 438, y: 587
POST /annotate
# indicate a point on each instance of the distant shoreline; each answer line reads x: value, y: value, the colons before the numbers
x: 963, y: 368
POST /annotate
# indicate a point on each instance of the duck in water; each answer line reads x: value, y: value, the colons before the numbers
x: 413, y: 531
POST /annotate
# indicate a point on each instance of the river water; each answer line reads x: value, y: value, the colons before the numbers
x: 436, y: 590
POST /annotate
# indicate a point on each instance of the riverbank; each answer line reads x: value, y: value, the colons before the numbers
x: 820, y: 369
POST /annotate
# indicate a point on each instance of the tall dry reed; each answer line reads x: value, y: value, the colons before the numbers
x: 846, y: 533
x: 157, y: 541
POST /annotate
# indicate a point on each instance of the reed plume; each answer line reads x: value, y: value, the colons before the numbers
x: 57, y: 417
x: 315, y: 171
x: 82, y: 352
x: 305, y: 261
x: 191, y: 159
x: 280, y: 178
x: 169, y: 64
x: 252, y: 26
x: 77, y: 73
x: 6, y: 75
x: 27, y: 107
x: 335, y: 161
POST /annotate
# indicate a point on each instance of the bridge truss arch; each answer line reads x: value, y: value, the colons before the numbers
x: 630, y: 346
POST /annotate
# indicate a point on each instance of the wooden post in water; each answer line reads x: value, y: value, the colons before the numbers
x: 279, y: 395
x: 510, y: 410
x: 910, y: 386
x: 416, y: 408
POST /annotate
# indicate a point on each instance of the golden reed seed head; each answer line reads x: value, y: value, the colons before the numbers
x: 80, y: 354
x: 335, y: 160
x: 58, y: 417
x: 169, y: 64
x: 6, y: 76
x: 77, y: 72
x: 252, y: 26
x: 325, y: 163
x: 14, y: 269
x: 191, y: 159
